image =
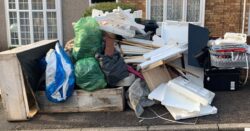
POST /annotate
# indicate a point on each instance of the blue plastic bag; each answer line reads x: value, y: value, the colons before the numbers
x: 60, y: 77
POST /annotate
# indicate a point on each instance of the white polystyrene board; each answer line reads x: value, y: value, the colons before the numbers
x: 236, y: 37
x: 177, y: 100
x: 158, y: 41
x: 137, y: 14
x: 176, y: 31
x: 159, y: 51
x: 197, y: 80
x: 158, y: 93
x: 120, y: 22
x: 96, y: 13
x: 178, y: 114
x: 192, y: 90
x: 114, y: 30
x: 171, y: 52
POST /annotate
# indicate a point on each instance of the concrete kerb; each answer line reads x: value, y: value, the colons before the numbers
x: 201, y: 127
x: 233, y: 126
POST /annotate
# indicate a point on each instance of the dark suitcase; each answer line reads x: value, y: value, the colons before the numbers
x: 221, y: 79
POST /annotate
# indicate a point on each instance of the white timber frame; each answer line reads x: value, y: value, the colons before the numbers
x: 201, y: 22
x: 57, y: 10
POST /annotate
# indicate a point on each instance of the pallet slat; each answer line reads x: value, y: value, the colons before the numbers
x: 106, y: 100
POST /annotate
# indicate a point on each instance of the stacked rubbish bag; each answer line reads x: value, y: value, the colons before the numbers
x: 87, y: 42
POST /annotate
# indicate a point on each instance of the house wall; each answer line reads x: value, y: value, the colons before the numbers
x: 72, y: 10
x: 3, y: 34
x: 220, y: 15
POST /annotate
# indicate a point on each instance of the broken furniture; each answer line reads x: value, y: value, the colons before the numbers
x: 157, y: 73
x: 19, y: 78
x: 197, y: 39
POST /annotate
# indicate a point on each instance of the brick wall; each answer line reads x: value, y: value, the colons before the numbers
x: 140, y: 4
x: 220, y: 15
x: 223, y: 16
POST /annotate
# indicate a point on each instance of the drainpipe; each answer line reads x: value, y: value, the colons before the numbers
x: 243, y: 17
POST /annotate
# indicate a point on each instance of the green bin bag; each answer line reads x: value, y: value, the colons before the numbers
x: 89, y: 75
x: 88, y: 38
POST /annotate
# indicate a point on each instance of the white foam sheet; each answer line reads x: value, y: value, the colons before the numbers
x: 179, y: 114
x: 158, y: 51
x: 120, y: 22
x: 162, y: 53
x: 180, y: 102
x: 168, y: 97
x: 158, y: 93
x: 177, y: 100
x: 192, y: 90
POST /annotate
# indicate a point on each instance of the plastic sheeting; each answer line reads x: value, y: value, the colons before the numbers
x: 137, y: 95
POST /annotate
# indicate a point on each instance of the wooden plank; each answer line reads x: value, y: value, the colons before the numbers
x: 137, y: 45
x: 105, y: 100
x: 27, y: 47
x: 161, y: 62
x: 142, y: 42
x: 11, y: 86
x: 183, y: 70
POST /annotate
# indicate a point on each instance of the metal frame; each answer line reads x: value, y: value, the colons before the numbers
x: 202, y: 13
x: 57, y: 9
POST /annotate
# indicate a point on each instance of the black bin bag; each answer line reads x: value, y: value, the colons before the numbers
x: 114, y: 68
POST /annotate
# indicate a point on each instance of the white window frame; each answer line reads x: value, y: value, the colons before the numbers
x: 90, y: 3
x: 57, y: 9
x: 184, y: 13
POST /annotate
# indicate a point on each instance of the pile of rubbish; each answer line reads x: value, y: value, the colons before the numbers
x: 115, y: 49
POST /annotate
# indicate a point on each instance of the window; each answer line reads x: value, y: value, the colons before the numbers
x: 30, y: 21
x: 176, y: 10
x: 98, y: 1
